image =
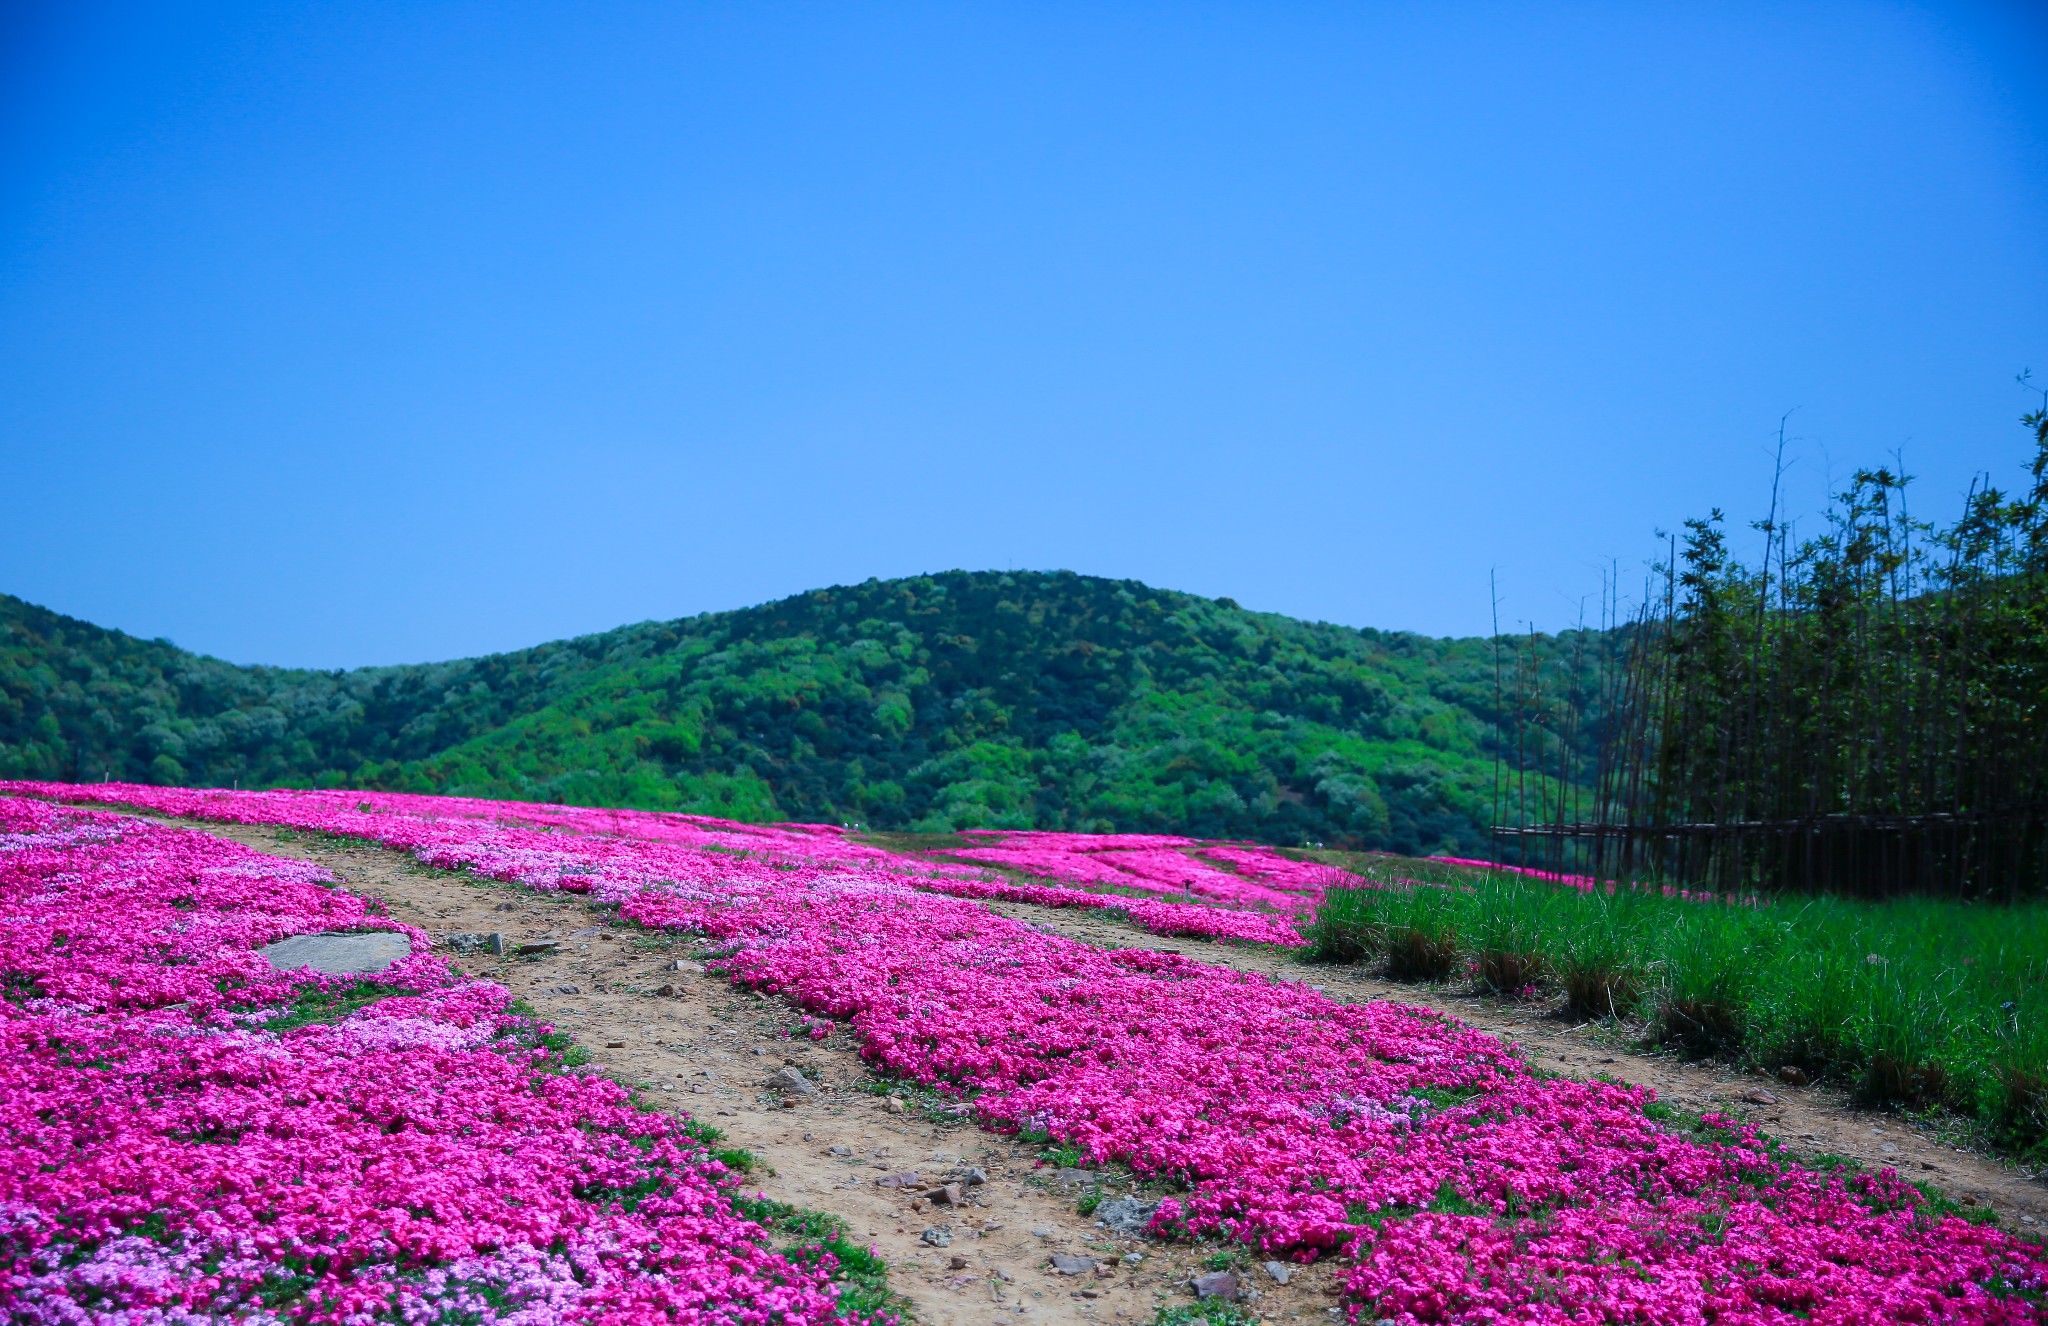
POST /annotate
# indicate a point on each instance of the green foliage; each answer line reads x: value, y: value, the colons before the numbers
x: 1209, y: 1312
x: 332, y: 1003
x: 932, y: 704
x: 1917, y: 1002
x: 862, y: 1277
x: 1859, y: 711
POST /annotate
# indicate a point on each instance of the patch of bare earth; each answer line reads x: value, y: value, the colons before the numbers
x: 693, y: 1044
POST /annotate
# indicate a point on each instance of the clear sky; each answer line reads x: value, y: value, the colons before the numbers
x: 342, y: 334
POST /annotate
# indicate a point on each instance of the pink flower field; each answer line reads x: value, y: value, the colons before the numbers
x: 202, y: 1160
x: 186, y: 1144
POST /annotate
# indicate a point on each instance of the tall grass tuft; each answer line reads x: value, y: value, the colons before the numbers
x: 1422, y: 932
x: 1599, y: 958
x: 1507, y: 937
x: 1907, y: 1026
x: 2019, y: 1061
x: 1710, y: 961
x: 1346, y: 927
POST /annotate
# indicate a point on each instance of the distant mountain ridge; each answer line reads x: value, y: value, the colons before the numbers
x: 957, y: 700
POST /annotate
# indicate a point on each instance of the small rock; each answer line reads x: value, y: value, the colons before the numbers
x: 1758, y: 1096
x: 1133, y: 1258
x: 563, y: 989
x: 533, y: 946
x: 587, y: 931
x: 1876, y: 960
x: 938, y: 1238
x: 1888, y: 1149
x: 508, y: 907
x: 665, y: 991
x: 1126, y: 1215
x: 894, y: 1105
x: 614, y: 1045
x: 949, y: 1194
x: 476, y: 942
x: 839, y: 1151
x: 1090, y: 1293
x: 1280, y: 1271
x: 792, y: 1080
x: 1077, y: 1176
x: 759, y: 1050
x: 1068, y: 1264
x: 957, y: 1262
x: 1217, y: 1284
x: 975, y: 1177
x: 338, y: 954
x: 1792, y: 1075
x: 908, y: 1179
x: 1041, y: 1233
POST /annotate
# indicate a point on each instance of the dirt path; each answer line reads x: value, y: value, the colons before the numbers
x: 1810, y: 1120
x: 693, y: 1044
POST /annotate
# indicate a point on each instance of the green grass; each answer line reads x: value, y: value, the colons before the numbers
x: 862, y: 1277
x: 1918, y: 1003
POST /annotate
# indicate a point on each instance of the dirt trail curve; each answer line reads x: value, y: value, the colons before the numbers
x: 708, y: 1049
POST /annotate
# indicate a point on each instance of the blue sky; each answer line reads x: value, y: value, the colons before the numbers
x: 349, y: 334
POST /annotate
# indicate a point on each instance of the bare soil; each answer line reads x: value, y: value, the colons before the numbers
x: 706, y: 1050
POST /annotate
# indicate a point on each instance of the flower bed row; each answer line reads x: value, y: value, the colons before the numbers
x: 1235, y: 876
x: 1458, y: 1185
x: 191, y: 1136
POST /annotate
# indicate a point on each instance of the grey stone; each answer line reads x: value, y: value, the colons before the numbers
x: 840, y: 1151
x: 949, y: 1194
x: 1280, y: 1271
x: 1217, y: 1284
x: 1758, y: 1096
x: 587, y: 930
x: 792, y: 1080
x: 476, y: 942
x: 975, y: 1177
x: 1126, y: 1215
x: 338, y: 955
x: 533, y: 946
x: 938, y: 1238
x: 1077, y: 1176
x: 1068, y: 1264
x: 563, y: 989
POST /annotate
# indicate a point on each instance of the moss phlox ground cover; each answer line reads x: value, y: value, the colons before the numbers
x: 1455, y: 1184
x: 192, y: 1136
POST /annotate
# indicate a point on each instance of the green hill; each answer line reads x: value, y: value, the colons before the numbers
x: 958, y: 700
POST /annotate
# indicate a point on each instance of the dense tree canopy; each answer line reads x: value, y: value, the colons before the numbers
x: 939, y: 702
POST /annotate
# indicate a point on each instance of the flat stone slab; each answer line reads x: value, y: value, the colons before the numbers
x: 338, y: 955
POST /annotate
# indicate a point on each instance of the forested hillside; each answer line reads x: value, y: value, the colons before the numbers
x: 940, y: 702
